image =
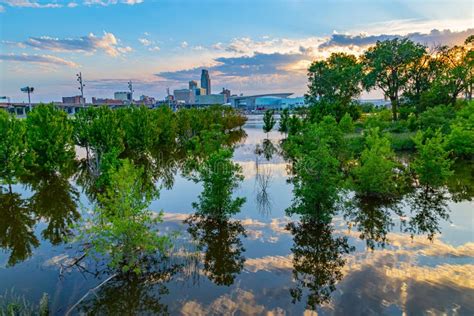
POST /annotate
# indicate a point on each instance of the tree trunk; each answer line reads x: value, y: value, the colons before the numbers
x: 394, y: 103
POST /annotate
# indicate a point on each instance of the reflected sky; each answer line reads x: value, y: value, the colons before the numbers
x: 405, y: 274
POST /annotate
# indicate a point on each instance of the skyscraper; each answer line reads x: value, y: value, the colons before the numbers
x: 193, y: 85
x: 206, y: 81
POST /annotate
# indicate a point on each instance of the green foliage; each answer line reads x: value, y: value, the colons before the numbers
x: 284, y: 121
x: 388, y: 65
x: 49, y: 138
x: 268, y: 121
x: 375, y: 174
x: 402, y: 142
x: 346, y: 124
x: 12, y: 147
x: 294, y: 125
x: 316, y: 167
x: 461, y: 139
x: 336, y: 79
x: 438, y: 117
x: 220, y: 176
x: 432, y: 164
x: 122, y: 226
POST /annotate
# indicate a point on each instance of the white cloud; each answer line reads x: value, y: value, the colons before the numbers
x: 184, y: 44
x: 154, y: 49
x: 72, y: 5
x: 30, y: 4
x: 145, y: 42
x: 37, y: 59
x: 111, y: 2
x: 89, y: 44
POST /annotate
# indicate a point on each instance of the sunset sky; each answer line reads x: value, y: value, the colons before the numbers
x: 248, y: 46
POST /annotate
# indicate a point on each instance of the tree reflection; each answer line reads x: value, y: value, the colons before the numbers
x: 16, y: 227
x: 131, y: 293
x: 461, y: 183
x: 372, y: 218
x: 428, y: 206
x: 54, y: 200
x: 317, y: 260
x: 219, y: 239
x: 263, y: 179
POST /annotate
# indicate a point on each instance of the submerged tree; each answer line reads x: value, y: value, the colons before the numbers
x: 12, y: 147
x: 220, y: 176
x: 49, y: 138
x: 376, y: 175
x: 122, y: 227
x: 284, y: 121
x: 268, y: 121
x: 432, y: 164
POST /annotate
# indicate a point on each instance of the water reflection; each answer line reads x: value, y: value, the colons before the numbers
x: 55, y: 201
x: 263, y: 179
x: 318, y: 259
x: 16, y: 227
x: 220, y: 240
x: 372, y: 218
x: 428, y: 207
x: 131, y: 293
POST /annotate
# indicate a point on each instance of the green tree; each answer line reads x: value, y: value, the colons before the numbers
x: 268, y: 121
x: 387, y: 66
x: 284, y: 121
x: 458, y: 73
x: 461, y: 138
x: 346, y: 124
x: 432, y: 164
x: 316, y: 182
x: 12, y: 147
x: 336, y: 79
x: 122, y: 227
x: 49, y: 138
x: 220, y: 176
x: 375, y: 174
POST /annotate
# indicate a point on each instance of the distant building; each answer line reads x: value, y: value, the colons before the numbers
x: 206, y: 81
x: 261, y: 101
x: 123, y: 96
x: 100, y: 101
x: 193, y: 85
x: 210, y: 99
x: 74, y: 100
x: 185, y: 95
x: 226, y: 93
x: 146, y: 100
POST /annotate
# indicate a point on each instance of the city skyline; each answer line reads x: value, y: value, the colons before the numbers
x: 112, y: 42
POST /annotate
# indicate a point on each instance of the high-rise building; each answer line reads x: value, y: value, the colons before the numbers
x: 206, y: 81
x: 193, y: 85
x: 226, y: 93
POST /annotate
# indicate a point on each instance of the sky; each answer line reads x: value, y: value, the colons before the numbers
x: 250, y: 47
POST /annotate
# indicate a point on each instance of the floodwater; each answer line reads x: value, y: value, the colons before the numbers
x: 415, y: 256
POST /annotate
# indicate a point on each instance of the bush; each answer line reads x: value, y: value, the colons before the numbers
x: 438, y: 117
x: 402, y: 142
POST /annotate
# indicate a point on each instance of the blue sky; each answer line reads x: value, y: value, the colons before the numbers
x: 248, y: 46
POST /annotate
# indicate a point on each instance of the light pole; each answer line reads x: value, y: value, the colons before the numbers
x: 28, y: 90
x: 130, y: 87
x: 81, y: 87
